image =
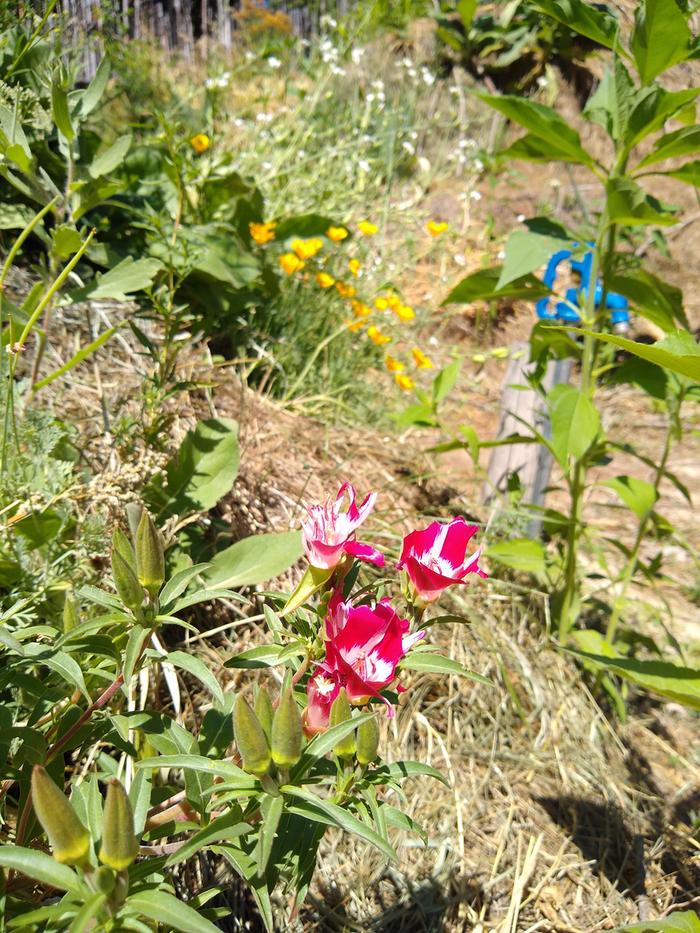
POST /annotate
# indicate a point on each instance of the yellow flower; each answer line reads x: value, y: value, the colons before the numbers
x: 200, y: 143
x: 381, y: 303
x: 336, y: 233
x: 354, y: 266
x: 360, y: 309
x: 420, y: 359
x: 405, y: 383
x: 404, y: 313
x: 435, y: 227
x: 394, y: 302
x: 305, y: 249
x: 325, y: 280
x: 345, y: 291
x: 367, y: 228
x: 393, y: 365
x: 376, y: 336
x: 290, y: 263
x: 262, y: 233
x: 354, y: 326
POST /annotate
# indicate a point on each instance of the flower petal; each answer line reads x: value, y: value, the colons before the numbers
x: 364, y: 552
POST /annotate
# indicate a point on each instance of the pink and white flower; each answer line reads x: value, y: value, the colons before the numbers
x: 328, y: 533
x: 436, y: 558
x: 363, y: 648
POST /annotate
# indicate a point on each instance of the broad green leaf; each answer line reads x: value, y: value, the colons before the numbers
x: 612, y: 102
x: 196, y: 666
x: 649, y: 378
x: 466, y: 10
x: 526, y: 252
x: 445, y: 381
x: 483, y: 286
x: 65, y: 241
x: 87, y: 197
x: 107, y: 161
x: 204, y: 468
x: 653, y: 106
x: 126, y: 278
x: 59, y: 662
x: 255, y: 560
x: 95, y: 89
x: 41, y: 867
x: 164, y: 908
x: 523, y: 554
x: 630, y: 205
x: 306, y: 225
x: 314, y: 578
x: 685, y: 921
x: 341, y: 817
x: 594, y: 22
x: 656, y: 300
x: 637, y: 494
x: 543, y: 123
x: 221, y: 829
x: 683, y: 363
x: 685, y: 141
x: 429, y: 661
x: 681, y: 684
x: 575, y: 423
x: 689, y: 173
x: 661, y: 37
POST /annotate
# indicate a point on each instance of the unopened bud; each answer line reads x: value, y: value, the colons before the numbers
x: 68, y: 838
x: 104, y: 879
x: 71, y: 617
x: 286, y: 731
x: 340, y: 712
x: 119, y: 843
x: 367, y: 741
x: 150, y: 558
x: 125, y: 581
x: 250, y: 738
x: 121, y: 543
x: 264, y: 712
x: 134, y: 511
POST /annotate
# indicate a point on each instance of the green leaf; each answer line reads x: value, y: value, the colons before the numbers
x: 526, y: 252
x: 124, y: 279
x: 137, y: 637
x: 260, y: 656
x: 630, y: 205
x: 544, y: 124
x: 445, y: 381
x: 325, y: 742
x: 686, y: 921
x: 689, y: 173
x: 428, y: 661
x: 314, y: 578
x: 164, y: 908
x: 588, y: 20
x: 400, y: 770
x: 637, y: 494
x: 685, y: 141
x: 575, y: 423
x: 653, y: 106
x: 41, y: 867
x: 204, y: 468
x: 340, y: 817
x: 305, y: 225
x: 65, y: 241
x: 256, y: 559
x: 271, y: 811
x: 59, y: 662
x: 224, y: 769
x: 84, y: 920
x: 59, y: 106
x: 684, y: 363
x: 466, y: 10
x: 661, y: 37
x: 523, y: 554
x: 83, y: 353
x: 95, y: 89
x: 483, y: 286
x: 221, y: 829
x: 196, y: 666
x: 657, y: 300
x: 612, y: 102
x: 110, y: 158
x: 88, y: 196
x: 177, y: 585
x: 681, y: 684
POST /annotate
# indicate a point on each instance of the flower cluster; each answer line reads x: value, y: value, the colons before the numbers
x: 364, y: 642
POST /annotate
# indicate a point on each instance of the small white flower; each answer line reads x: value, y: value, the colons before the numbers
x: 521, y: 218
x: 454, y: 89
x: 264, y: 117
x: 501, y: 254
x: 337, y: 70
x: 433, y: 341
x: 459, y: 259
x: 475, y: 195
x: 266, y: 165
x: 542, y: 81
x: 274, y: 62
x: 356, y: 55
x: 378, y: 85
x: 250, y: 56
x: 428, y: 76
x: 478, y: 165
x: 409, y: 147
x: 363, y: 165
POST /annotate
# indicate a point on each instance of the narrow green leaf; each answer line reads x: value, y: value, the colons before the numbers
x: 314, y: 578
x: 260, y: 656
x: 179, y: 583
x: 83, y: 354
x: 166, y: 909
x: 684, y: 364
x: 428, y: 661
x: 224, y: 769
x: 196, y: 666
x: 400, y: 770
x: 84, y: 920
x: 59, y: 106
x: 59, y: 662
x: 681, y: 684
x: 483, y: 286
x: 271, y: 809
x: 41, y: 867
x: 95, y: 89
x: 107, y: 161
x: 445, y: 381
x: 637, y: 494
x: 223, y: 828
x: 685, y: 141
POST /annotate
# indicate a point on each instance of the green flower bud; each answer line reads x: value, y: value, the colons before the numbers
x: 68, y: 838
x: 121, y: 543
x: 71, y: 616
x: 150, y: 557
x: 286, y: 731
x: 104, y: 879
x: 264, y: 712
x: 134, y: 511
x: 250, y: 738
x: 119, y: 843
x: 367, y: 741
x: 340, y: 712
x: 129, y: 589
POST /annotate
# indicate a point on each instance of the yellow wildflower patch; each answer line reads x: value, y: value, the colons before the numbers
x: 360, y: 309
x: 381, y: 304
x: 367, y: 228
x: 393, y: 365
x: 354, y: 265
x: 345, y: 290
x: 435, y: 227
x: 404, y: 382
x: 324, y: 280
x: 420, y: 359
x: 200, y: 143
x: 354, y: 326
x: 262, y: 233
x: 337, y: 233
x: 404, y: 312
x: 290, y: 263
x: 376, y: 336
x: 306, y: 249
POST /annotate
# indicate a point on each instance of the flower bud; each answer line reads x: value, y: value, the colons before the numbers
x: 119, y: 843
x: 68, y: 838
x: 340, y: 712
x: 121, y: 543
x: 125, y: 582
x: 71, y: 616
x: 367, y: 741
x: 134, y: 511
x: 250, y: 738
x: 286, y: 731
x: 264, y: 712
x: 104, y: 879
x: 150, y: 557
